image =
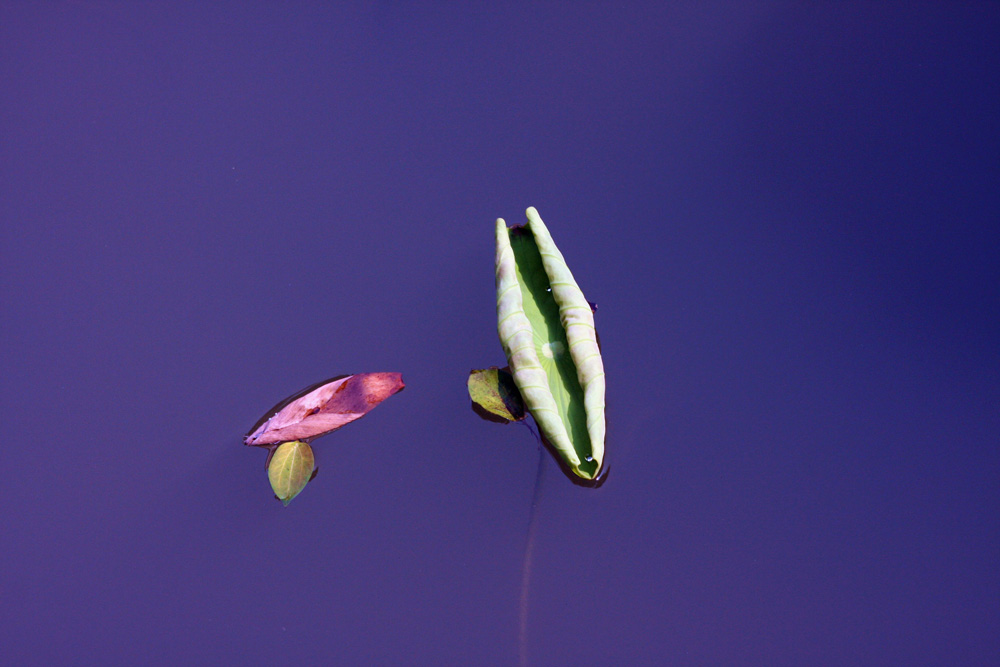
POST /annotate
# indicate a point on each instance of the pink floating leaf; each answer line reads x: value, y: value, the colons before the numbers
x: 325, y: 408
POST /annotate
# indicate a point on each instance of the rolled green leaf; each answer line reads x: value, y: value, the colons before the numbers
x: 546, y: 327
x: 290, y: 469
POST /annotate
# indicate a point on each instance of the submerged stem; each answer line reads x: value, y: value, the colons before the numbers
x: 529, y: 547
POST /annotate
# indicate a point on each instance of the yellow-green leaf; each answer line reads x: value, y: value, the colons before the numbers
x: 495, y: 396
x: 290, y: 469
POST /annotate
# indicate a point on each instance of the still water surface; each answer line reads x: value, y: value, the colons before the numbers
x: 785, y: 214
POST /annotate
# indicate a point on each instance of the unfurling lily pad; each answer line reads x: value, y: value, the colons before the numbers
x: 546, y: 327
x: 290, y: 469
x: 495, y: 396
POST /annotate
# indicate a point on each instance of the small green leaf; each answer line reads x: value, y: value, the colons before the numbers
x: 495, y: 396
x: 290, y: 469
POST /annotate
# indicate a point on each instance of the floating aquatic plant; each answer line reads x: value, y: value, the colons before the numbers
x: 288, y: 428
x: 546, y: 328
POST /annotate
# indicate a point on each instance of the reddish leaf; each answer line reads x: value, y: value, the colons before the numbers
x: 325, y: 408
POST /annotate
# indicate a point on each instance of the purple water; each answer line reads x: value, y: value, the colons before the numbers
x: 786, y: 212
